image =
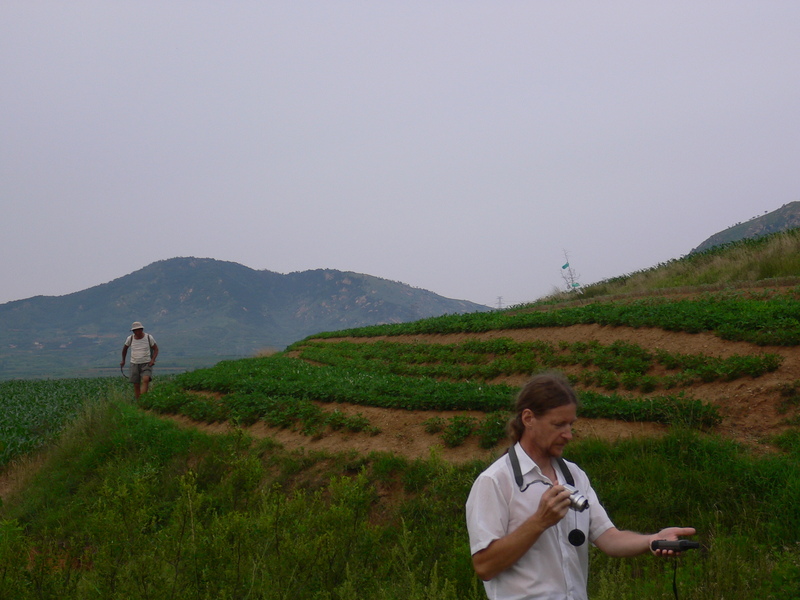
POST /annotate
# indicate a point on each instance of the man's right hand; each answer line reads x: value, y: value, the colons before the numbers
x: 553, y: 505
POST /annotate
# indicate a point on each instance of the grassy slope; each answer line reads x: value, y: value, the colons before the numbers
x: 128, y: 506
x: 770, y: 260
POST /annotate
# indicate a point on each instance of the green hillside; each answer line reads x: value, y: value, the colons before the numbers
x: 128, y: 504
x: 764, y: 261
x: 200, y: 311
x: 785, y: 218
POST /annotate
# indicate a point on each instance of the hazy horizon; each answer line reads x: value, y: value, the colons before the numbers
x: 463, y: 148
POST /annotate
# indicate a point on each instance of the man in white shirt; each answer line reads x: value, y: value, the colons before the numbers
x: 525, y: 541
x: 144, y: 351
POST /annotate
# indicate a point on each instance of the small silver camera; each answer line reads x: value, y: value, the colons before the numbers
x: 577, y: 501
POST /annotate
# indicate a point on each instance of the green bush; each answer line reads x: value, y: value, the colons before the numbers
x: 492, y: 429
x: 458, y: 429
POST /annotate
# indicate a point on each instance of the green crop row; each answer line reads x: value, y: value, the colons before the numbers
x: 281, y: 376
x: 769, y: 320
x: 33, y: 412
x: 619, y: 364
x: 491, y: 429
x: 245, y: 409
x: 281, y: 391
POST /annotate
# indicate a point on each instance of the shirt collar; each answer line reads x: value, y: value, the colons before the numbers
x: 526, y: 463
x: 528, y: 466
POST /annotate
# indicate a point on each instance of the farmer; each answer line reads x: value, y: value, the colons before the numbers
x: 144, y: 351
x: 526, y: 542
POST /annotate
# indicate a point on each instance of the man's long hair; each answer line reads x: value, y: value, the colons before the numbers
x: 542, y: 393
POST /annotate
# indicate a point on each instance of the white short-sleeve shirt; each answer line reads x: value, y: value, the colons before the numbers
x: 553, y: 569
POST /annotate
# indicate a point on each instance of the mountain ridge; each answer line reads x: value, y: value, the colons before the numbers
x: 784, y: 218
x: 200, y: 310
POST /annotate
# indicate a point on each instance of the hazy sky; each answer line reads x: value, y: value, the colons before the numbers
x: 457, y: 146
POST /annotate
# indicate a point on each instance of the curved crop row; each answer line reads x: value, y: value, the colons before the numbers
x: 763, y: 321
x: 615, y: 365
x: 272, y: 388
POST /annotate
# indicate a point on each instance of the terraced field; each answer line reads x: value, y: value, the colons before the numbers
x: 751, y: 408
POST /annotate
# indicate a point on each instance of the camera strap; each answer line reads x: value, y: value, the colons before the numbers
x: 562, y: 465
x: 565, y: 471
x: 576, y: 537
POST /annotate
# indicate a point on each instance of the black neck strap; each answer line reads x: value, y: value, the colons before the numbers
x: 562, y: 465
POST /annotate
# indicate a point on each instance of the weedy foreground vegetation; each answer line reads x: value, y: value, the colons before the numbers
x: 128, y: 505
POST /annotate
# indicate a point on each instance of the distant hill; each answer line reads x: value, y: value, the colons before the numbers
x: 785, y: 218
x: 199, y: 310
